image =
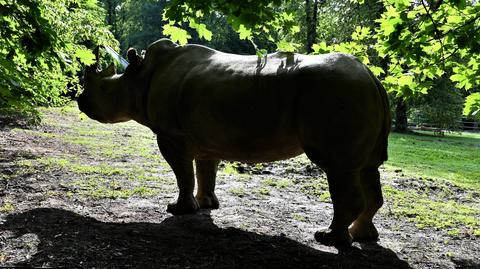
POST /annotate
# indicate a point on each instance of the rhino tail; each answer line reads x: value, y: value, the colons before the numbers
x: 382, y: 143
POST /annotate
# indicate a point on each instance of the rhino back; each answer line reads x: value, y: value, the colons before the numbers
x: 244, y: 105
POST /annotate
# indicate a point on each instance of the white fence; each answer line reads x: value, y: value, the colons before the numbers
x: 464, y: 125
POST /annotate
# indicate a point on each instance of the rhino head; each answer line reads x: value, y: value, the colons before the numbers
x: 108, y: 97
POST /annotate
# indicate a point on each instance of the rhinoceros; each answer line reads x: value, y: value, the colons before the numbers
x: 205, y: 106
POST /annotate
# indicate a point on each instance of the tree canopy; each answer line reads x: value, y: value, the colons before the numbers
x: 42, y: 47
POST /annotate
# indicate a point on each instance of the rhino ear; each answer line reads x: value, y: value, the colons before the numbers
x: 110, y: 71
x: 133, y: 56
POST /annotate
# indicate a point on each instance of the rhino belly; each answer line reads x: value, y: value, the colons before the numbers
x: 254, y: 132
x: 249, y: 149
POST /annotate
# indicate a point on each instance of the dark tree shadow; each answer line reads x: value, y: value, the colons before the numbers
x: 465, y: 264
x: 193, y: 241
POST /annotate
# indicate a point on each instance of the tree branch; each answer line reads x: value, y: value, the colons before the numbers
x: 459, y: 27
x: 436, y: 30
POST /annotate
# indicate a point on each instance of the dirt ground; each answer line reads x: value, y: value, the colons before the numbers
x: 50, y: 217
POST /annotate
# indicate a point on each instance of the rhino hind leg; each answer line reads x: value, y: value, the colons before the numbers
x: 348, y: 203
x: 181, y: 163
x: 206, y: 172
x: 363, y: 228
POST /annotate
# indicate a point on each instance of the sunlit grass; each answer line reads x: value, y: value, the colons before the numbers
x: 455, y: 157
x: 7, y: 207
x: 431, y: 211
x: 102, y: 188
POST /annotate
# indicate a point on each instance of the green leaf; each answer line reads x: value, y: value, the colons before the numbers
x: 472, y: 105
x: 457, y: 78
x: 86, y: 57
x: 295, y: 29
x: 361, y: 33
x: 176, y: 34
x: 244, y: 32
x: 287, y: 46
x: 405, y: 80
x: 201, y: 29
x: 388, y: 26
x: 377, y: 71
x: 321, y: 47
x: 402, y: 3
x: 91, y: 3
x: 455, y: 19
x: 412, y: 14
x: 262, y: 53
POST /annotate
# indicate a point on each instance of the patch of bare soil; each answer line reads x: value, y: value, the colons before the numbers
x: 43, y: 225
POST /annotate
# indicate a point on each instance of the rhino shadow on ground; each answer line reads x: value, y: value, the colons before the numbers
x: 67, y: 239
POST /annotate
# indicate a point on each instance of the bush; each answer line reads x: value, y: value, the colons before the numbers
x: 44, y: 46
x: 441, y: 108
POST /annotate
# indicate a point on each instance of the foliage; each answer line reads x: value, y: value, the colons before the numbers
x: 247, y: 18
x: 472, y: 106
x: 339, y: 19
x: 359, y: 45
x: 442, y: 107
x: 419, y: 42
x: 43, y: 46
x: 139, y: 23
x: 426, y: 41
x: 225, y: 38
x: 409, y: 44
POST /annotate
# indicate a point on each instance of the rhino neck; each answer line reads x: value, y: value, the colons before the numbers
x: 134, y: 98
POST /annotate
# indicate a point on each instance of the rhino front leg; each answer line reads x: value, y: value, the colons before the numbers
x: 206, y: 171
x: 180, y: 159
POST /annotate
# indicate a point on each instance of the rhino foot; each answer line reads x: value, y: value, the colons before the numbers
x: 363, y: 231
x: 207, y: 201
x: 328, y: 237
x: 183, y: 206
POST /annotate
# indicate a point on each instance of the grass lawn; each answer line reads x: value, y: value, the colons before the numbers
x: 455, y: 157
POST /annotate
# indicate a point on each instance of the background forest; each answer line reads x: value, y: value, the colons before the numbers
x: 427, y: 53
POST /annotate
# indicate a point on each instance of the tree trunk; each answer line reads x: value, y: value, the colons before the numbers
x: 401, y: 122
x: 111, y: 7
x: 311, y: 20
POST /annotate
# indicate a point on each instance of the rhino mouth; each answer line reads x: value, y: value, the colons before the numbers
x: 84, y: 107
x: 82, y: 104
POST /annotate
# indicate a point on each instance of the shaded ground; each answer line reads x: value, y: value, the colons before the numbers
x: 78, y: 194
